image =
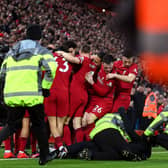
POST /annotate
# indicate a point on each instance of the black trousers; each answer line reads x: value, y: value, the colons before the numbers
x: 111, y: 144
x: 14, y: 119
x: 162, y: 140
x: 108, y: 145
x: 74, y: 149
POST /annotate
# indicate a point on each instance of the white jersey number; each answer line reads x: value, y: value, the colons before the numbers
x: 97, y: 108
x: 65, y: 64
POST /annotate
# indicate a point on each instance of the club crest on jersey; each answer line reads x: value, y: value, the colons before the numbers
x: 124, y: 72
x: 92, y: 66
x: 110, y: 84
x: 100, y: 80
x: 135, y: 70
x: 81, y: 59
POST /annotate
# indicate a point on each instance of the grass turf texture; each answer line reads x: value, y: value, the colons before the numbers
x: 159, y: 159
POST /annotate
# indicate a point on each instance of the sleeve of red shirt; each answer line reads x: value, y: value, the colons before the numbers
x: 81, y: 59
x: 134, y: 69
x: 160, y: 109
x: 101, y: 91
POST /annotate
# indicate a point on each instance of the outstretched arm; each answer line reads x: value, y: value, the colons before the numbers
x: 126, y: 78
x: 69, y: 57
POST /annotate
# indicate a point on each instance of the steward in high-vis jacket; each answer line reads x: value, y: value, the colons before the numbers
x: 150, y: 108
x: 112, y: 139
x: 24, y: 88
x: 115, y: 140
x: 160, y: 123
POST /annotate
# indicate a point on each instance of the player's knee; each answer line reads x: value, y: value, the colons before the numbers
x: 60, y: 121
x: 24, y: 133
x: 52, y: 123
x: 25, y: 127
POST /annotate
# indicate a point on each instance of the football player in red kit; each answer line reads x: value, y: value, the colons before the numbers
x: 57, y: 104
x: 124, y: 72
x: 78, y: 87
x: 101, y: 96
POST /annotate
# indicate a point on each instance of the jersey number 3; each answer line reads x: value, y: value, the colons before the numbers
x: 63, y: 67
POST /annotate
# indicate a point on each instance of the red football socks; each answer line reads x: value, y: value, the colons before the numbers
x: 8, y: 143
x: 79, y: 135
x: 22, y: 143
x: 87, y: 131
x: 58, y: 142
x: 67, y: 135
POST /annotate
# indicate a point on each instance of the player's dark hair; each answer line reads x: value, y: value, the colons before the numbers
x: 67, y: 45
x: 85, y: 49
x: 128, y: 53
x: 101, y: 54
x: 108, y: 59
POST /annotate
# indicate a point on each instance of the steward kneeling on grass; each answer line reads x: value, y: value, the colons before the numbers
x: 112, y: 139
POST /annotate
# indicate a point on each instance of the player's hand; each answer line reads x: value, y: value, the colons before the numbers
x: 84, y: 119
x: 89, y: 78
x: 110, y: 76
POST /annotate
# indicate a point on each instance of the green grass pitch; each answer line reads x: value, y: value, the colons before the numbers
x: 159, y: 159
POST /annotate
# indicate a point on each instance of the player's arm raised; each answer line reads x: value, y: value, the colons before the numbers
x: 69, y: 57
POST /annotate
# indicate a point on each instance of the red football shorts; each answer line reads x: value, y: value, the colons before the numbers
x: 78, y: 102
x: 26, y: 114
x: 121, y: 101
x: 100, y: 107
x: 57, y: 104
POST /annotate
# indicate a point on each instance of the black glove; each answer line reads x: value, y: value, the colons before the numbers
x: 46, y: 92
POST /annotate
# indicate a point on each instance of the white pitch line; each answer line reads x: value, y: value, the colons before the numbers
x: 18, y: 159
x: 159, y: 152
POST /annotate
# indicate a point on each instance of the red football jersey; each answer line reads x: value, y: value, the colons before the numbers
x: 63, y: 73
x: 78, y: 78
x: 103, y: 87
x: 124, y: 87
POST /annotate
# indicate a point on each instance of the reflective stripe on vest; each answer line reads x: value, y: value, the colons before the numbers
x: 23, y: 81
x: 29, y: 67
x: 23, y: 94
x: 107, y: 122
